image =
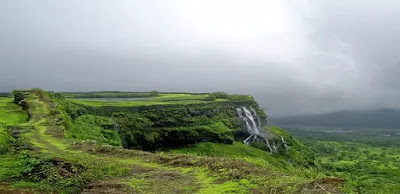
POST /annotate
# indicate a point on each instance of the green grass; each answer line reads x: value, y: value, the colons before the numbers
x: 106, y: 94
x: 172, y: 97
x: 6, y: 162
x: 250, y: 154
x: 99, y: 128
x: 236, y: 150
x: 160, y: 99
x: 10, y: 114
x: 29, y: 166
x: 158, y: 95
x: 49, y: 160
x: 97, y: 103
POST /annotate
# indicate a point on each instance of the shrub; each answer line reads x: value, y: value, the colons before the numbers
x: 154, y: 93
x: 218, y: 95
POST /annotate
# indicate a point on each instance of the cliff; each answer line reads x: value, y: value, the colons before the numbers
x: 72, y: 146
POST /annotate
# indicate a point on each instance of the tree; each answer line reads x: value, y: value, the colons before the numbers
x: 154, y: 93
x: 218, y: 95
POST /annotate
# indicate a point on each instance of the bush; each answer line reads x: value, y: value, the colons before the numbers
x: 154, y: 93
x: 236, y: 97
x: 218, y: 95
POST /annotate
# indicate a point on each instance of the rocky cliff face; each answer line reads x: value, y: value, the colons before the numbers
x: 167, y: 126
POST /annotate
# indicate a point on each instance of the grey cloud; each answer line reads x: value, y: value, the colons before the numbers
x: 300, y: 57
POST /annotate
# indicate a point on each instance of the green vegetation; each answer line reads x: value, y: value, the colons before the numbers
x: 218, y: 95
x: 10, y: 114
x: 163, y: 127
x: 106, y: 94
x: 69, y: 148
x: 232, y: 97
x: 129, y: 95
x: 371, y: 136
x: 99, y: 128
x: 370, y: 168
x: 154, y: 93
x: 5, y: 94
x: 371, y: 164
x: 248, y: 153
x: 150, y: 99
x: 155, y: 101
x: 151, y: 127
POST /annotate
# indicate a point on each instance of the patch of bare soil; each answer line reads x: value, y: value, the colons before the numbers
x: 107, y: 186
x: 66, y: 169
x: 326, y: 185
x: 5, y: 189
x: 136, y: 169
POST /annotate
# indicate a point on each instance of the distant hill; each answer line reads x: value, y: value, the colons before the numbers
x: 384, y: 118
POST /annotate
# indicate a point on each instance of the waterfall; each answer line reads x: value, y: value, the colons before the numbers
x: 284, y: 144
x: 252, y: 123
x: 116, y: 126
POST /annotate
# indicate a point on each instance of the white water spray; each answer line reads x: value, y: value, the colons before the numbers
x: 284, y: 144
x: 253, y: 126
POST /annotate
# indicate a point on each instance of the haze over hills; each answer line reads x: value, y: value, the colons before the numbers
x: 383, y: 118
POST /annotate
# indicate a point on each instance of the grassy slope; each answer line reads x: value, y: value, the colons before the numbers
x: 10, y: 114
x: 44, y: 162
x: 250, y: 154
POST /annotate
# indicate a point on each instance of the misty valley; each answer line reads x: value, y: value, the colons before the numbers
x: 368, y: 158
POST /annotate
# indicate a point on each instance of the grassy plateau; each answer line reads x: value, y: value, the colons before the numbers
x: 55, y: 144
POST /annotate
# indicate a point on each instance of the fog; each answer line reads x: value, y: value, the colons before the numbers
x: 295, y: 57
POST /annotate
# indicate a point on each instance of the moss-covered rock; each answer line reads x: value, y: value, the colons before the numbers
x: 167, y: 126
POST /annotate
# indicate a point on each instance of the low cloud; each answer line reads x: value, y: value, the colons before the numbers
x: 296, y: 58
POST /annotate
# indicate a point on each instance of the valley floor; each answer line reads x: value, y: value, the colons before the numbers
x: 370, y: 163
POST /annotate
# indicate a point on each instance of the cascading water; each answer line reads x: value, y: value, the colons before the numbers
x: 284, y: 144
x: 116, y: 126
x: 253, y: 126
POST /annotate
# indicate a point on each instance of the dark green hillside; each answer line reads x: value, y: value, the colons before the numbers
x: 58, y: 145
x: 5, y: 94
x: 179, y: 120
x: 163, y: 126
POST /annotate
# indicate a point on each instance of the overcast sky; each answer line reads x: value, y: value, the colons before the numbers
x: 294, y: 56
